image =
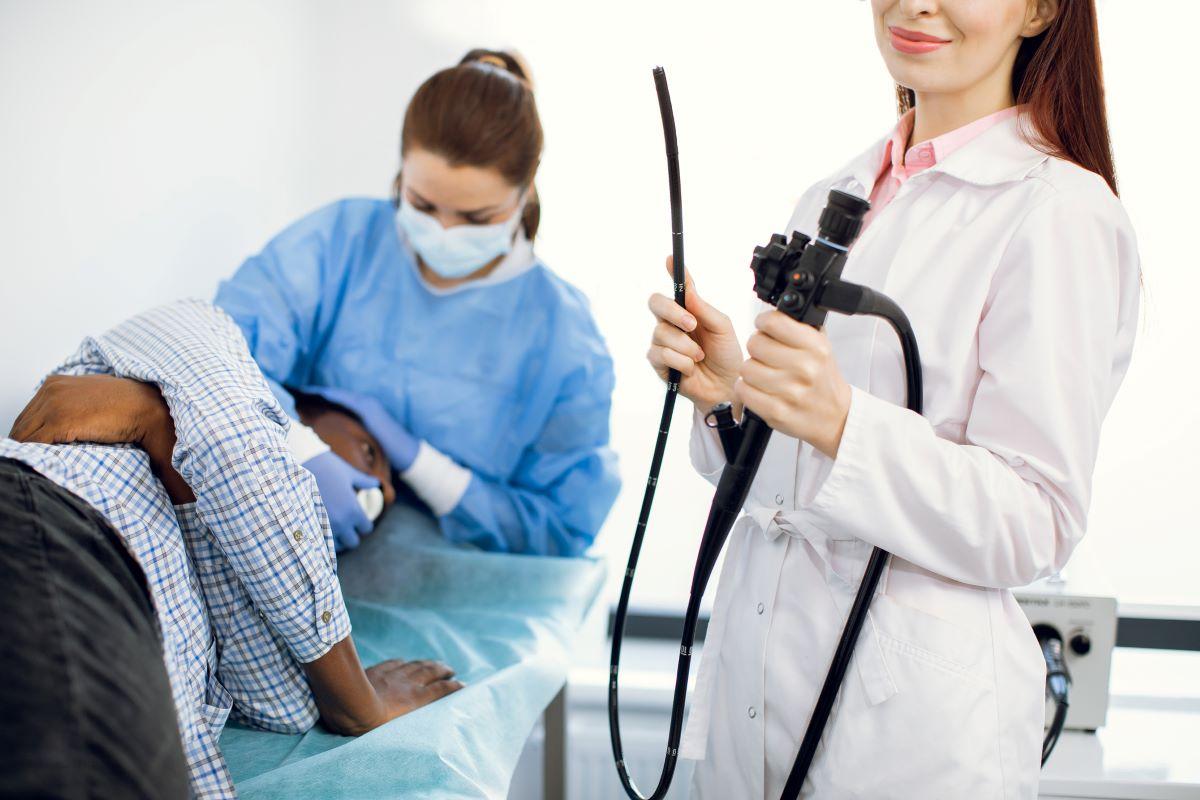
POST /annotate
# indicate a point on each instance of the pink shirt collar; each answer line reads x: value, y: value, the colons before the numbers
x: 904, y: 164
x: 898, y: 165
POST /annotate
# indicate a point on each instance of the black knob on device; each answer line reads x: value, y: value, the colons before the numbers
x: 1081, y: 645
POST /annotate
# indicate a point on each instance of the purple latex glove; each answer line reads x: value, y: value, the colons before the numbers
x: 398, y: 444
x: 339, y: 484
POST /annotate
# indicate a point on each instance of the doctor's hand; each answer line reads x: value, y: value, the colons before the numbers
x: 699, y: 342
x: 398, y: 444
x: 339, y: 484
x: 792, y: 381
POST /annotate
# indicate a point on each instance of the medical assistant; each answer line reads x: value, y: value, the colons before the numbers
x: 1019, y: 272
x: 505, y: 380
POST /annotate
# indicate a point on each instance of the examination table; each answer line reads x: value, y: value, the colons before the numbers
x: 503, y: 622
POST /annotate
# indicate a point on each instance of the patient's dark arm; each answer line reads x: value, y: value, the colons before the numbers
x: 353, y: 702
x: 106, y: 410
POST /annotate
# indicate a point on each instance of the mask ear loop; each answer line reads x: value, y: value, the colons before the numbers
x: 518, y: 214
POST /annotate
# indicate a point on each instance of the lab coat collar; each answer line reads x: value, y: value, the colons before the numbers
x: 1001, y: 154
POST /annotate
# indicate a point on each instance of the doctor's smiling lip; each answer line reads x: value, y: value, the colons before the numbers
x: 913, y: 42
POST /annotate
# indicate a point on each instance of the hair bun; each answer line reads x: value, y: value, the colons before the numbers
x: 492, y: 59
x: 511, y: 63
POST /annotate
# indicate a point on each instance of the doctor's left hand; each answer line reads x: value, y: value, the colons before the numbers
x: 792, y: 381
x: 398, y: 444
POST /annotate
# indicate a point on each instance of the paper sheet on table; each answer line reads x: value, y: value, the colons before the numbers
x: 504, y: 622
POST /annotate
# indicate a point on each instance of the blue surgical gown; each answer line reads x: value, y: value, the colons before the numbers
x: 512, y: 379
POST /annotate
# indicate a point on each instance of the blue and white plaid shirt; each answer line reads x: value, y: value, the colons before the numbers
x: 243, y: 580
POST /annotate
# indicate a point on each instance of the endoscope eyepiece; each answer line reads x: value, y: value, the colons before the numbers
x: 842, y: 218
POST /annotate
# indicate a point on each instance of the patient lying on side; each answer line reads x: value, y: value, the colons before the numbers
x: 230, y: 545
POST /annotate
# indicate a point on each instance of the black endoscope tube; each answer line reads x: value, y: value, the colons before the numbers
x: 876, y: 564
x: 839, y: 226
x: 660, y: 446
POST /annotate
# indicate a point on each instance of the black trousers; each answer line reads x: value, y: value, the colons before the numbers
x: 85, y: 706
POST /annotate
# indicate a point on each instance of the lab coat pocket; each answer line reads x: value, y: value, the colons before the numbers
x: 936, y: 737
x: 916, y: 634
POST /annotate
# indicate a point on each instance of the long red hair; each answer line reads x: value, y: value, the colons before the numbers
x: 1057, y: 76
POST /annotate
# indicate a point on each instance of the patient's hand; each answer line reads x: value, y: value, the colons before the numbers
x: 405, y: 686
x: 86, y: 408
x: 104, y: 409
x: 353, y: 701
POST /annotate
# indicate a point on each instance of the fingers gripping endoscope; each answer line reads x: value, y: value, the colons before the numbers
x: 802, y: 278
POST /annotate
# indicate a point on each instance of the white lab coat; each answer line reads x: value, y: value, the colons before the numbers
x: 1019, y: 273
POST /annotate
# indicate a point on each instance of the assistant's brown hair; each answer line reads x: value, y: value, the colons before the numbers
x: 1057, y: 76
x: 480, y: 113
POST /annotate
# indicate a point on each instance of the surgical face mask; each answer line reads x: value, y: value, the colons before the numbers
x: 458, y: 251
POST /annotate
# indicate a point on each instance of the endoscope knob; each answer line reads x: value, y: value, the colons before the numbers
x: 798, y: 243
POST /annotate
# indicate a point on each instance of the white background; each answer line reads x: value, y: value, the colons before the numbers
x: 146, y: 148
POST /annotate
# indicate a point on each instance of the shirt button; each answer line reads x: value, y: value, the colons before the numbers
x: 761, y: 608
x: 778, y: 499
x: 298, y: 535
x: 325, y: 617
x: 750, y: 712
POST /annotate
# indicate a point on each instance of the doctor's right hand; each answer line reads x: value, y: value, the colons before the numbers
x: 339, y: 484
x: 700, y: 342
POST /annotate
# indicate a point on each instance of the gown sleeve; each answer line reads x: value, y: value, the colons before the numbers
x: 563, y: 486
x: 1009, y: 503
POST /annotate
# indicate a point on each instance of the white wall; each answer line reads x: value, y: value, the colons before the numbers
x: 146, y: 148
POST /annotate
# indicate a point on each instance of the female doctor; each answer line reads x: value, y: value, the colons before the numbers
x: 995, y: 224
x: 480, y: 371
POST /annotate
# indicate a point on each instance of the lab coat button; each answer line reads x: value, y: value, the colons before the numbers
x: 761, y: 608
x: 751, y: 712
x: 778, y: 499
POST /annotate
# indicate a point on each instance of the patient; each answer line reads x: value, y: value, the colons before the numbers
x: 186, y: 571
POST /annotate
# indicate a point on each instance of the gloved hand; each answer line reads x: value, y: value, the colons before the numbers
x: 339, y: 484
x: 398, y: 444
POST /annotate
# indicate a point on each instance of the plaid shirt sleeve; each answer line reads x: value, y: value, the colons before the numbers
x: 262, y: 508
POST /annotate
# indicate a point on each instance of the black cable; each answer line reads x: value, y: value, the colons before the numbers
x: 1058, y: 683
x: 660, y: 446
x: 1056, y: 728
x: 873, y: 304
